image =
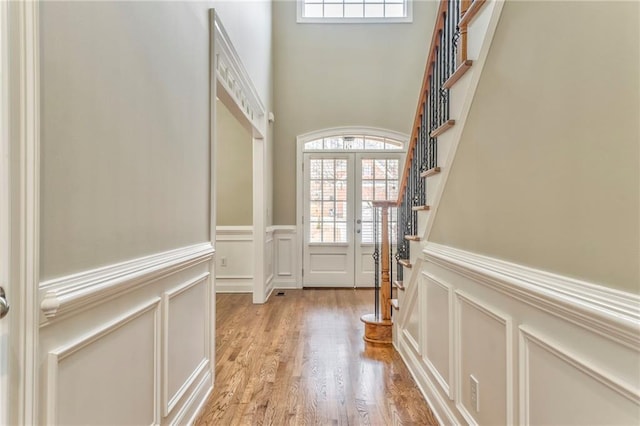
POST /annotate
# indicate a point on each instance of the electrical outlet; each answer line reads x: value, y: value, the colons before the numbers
x: 223, y: 261
x: 475, y: 393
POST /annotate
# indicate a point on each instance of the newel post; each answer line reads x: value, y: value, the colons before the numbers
x: 385, y: 288
x: 378, y: 328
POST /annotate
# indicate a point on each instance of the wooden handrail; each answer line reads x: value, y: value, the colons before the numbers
x: 468, y: 10
x: 424, y: 91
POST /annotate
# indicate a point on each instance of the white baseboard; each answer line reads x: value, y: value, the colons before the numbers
x: 234, y: 285
x: 285, y: 284
x: 427, y: 387
x: 196, y: 402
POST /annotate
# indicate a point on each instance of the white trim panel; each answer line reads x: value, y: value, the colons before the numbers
x: 433, y: 325
x: 594, y: 382
x: 169, y: 401
x: 57, y: 356
x: 480, y: 351
x: 269, y: 255
x: 235, y: 259
x: 285, y: 258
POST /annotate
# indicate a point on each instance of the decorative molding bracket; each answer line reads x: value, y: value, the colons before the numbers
x: 235, y: 79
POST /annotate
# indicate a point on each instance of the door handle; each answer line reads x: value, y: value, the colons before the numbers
x: 358, y: 221
x: 357, y: 231
x: 4, y: 305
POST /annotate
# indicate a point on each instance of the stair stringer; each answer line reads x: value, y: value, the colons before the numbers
x: 461, y: 99
x: 410, y: 293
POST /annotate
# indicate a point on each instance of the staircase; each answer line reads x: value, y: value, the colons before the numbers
x: 460, y: 42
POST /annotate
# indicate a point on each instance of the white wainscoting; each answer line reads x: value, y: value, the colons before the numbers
x: 234, y: 259
x: 544, y: 348
x: 285, y: 258
x: 269, y: 257
x: 129, y: 343
x: 184, y: 351
x: 81, y: 390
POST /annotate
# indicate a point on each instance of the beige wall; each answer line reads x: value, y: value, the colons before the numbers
x: 547, y: 171
x: 233, y: 170
x: 332, y: 75
x: 125, y: 125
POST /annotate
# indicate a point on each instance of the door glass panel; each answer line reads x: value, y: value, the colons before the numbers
x: 328, y: 218
x: 379, y: 183
x: 367, y: 169
x: 341, y: 190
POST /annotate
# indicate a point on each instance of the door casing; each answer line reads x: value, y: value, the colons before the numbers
x: 335, y: 131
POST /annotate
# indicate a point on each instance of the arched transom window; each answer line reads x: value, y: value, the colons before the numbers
x: 353, y: 142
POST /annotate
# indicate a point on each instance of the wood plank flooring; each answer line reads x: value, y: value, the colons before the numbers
x: 300, y: 360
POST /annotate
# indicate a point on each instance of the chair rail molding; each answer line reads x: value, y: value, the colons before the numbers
x: 612, y: 313
x: 72, y: 293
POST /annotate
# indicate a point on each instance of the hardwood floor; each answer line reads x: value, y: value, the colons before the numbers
x: 300, y: 360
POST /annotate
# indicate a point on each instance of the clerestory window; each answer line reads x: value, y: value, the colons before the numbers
x: 354, y: 11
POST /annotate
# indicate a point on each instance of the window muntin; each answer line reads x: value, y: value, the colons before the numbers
x: 354, y: 11
x: 328, y: 188
x: 353, y: 143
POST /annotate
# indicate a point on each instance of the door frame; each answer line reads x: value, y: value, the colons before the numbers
x: 231, y: 83
x: 21, y: 139
x: 316, y: 134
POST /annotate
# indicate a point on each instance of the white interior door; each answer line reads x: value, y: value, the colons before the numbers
x: 4, y: 216
x: 339, y: 189
x: 328, y: 220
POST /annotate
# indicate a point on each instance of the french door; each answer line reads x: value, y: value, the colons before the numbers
x: 338, y: 221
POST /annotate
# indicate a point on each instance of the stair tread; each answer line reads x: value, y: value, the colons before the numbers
x: 399, y: 284
x: 405, y: 262
x: 443, y: 128
x: 394, y: 303
x: 458, y: 73
x: 430, y: 172
x: 420, y: 208
x: 412, y: 237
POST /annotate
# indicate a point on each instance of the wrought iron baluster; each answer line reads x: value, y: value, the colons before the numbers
x: 376, y: 262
